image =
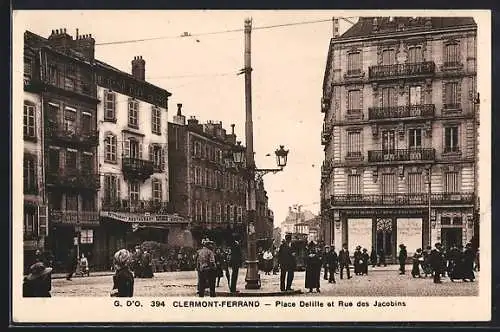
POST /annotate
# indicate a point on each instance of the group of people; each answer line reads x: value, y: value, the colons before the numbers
x: 456, y: 263
x: 142, y: 263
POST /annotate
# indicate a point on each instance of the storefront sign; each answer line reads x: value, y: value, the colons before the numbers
x: 141, y: 218
x: 409, y: 233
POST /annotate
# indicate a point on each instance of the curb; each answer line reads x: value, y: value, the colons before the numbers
x: 258, y: 293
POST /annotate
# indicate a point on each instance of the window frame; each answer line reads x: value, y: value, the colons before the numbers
x: 109, y: 106
x: 133, y: 114
x: 29, y: 129
x: 451, y: 135
x: 110, y: 148
x: 156, y: 120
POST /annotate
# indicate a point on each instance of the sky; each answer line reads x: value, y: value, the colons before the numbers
x: 201, y: 73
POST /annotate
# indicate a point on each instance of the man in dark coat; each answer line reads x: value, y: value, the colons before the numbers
x: 287, y: 261
x: 313, y: 267
x: 38, y: 283
x: 344, y: 261
x: 333, y: 262
x: 381, y: 257
x: 403, y: 255
x: 365, y: 258
x: 147, y: 264
x: 437, y: 262
x: 325, y: 262
x: 467, y: 264
x: 235, y: 261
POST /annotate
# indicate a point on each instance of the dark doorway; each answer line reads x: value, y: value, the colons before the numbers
x: 385, y: 238
x: 451, y: 237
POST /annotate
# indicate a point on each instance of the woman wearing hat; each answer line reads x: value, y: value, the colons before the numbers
x: 358, y: 261
x: 403, y: 255
x: 123, y: 280
x: 313, y: 267
x: 39, y: 282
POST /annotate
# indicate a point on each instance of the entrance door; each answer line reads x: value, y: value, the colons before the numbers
x: 451, y: 237
x: 385, y: 238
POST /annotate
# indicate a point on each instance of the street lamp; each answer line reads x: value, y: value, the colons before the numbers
x: 281, y: 156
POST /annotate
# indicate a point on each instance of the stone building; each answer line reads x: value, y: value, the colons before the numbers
x: 204, y: 188
x: 65, y: 90
x: 264, y: 223
x: 133, y: 159
x: 400, y: 134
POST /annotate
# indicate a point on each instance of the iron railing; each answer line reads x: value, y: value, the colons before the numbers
x: 130, y: 206
x: 74, y: 217
x: 137, y: 168
x: 401, y: 155
x: 74, y: 135
x: 73, y: 178
x: 399, y: 112
x: 401, y: 70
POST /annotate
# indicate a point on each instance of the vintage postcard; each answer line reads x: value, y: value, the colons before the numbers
x: 257, y: 166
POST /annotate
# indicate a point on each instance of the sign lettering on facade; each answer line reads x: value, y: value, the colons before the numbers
x: 139, y: 218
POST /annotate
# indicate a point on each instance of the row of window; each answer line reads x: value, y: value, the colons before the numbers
x: 84, y: 201
x: 207, y: 151
x: 390, y: 96
x: 415, y: 183
x: 112, y: 190
x: 216, y: 179
x: 451, y: 140
x: 72, y: 160
x: 451, y: 56
x: 132, y: 112
x: 209, y: 211
x: 132, y: 148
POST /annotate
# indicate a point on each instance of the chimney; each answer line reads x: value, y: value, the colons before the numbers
x: 85, y: 44
x: 375, y: 24
x: 231, y: 138
x: 60, y: 40
x: 179, y: 118
x: 335, y: 22
x: 139, y: 68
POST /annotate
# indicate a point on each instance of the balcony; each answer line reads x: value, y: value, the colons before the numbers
x: 380, y: 156
x: 76, y: 136
x: 71, y: 86
x: 326, y: 134
x: 402, y: 70
x: 452, y: 109
x: 326, y: 169
x: 418, y: 199
x: 90, y: 218
x: 137, y: 169
x: 401, y: 112
x: 73, y: 178
x: 354, y: 114
x: 142, y: 206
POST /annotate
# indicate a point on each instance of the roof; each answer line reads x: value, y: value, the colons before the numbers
x: 364, y: 26
x: 35, y: 41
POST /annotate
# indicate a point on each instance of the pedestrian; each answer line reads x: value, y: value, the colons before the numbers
x: 373, y: 257
x: 365, y: 259
x: 147, y: 264
x: 326, y: 256
x: 468, y: 263
x: 206, y: 268
x: 123, y: 279
x: 39, y: 282
x: 313, y: 268
x: 454, y: 267
x: 437, y: 262
x: 381, y: 258
x: 426, y: 265
x: 287, y: 262
x: 333, y: 262
x: 235, y: 262
x: 137, y: 262
x: 267, y: 257
x: 416, y: 260
x: 219, y: 262
x: 357, y: 261
x: 403, y: 255
x: 344, y: 261
x: 476, y: 261
x: 84, y: 265
x: 71, y: 264
x: 276, y: 266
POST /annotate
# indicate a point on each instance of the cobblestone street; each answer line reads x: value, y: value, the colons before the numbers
x: 379, y: 282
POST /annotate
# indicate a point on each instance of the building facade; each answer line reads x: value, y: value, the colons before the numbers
x: 35, y: 228
x: 66, y: 90
x: 264, y: 223
x: 204, y: 188
x: 400, y: 134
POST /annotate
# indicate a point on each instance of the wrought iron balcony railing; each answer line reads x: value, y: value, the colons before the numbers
x: 354, y: 114
x: 76, y: 135
x: 416, y: 199
x: 402, y: 70
x: 326, y: 134
x: 73, y: 178
x: 130, y: 206
x: 399, y: 112
x: 74, y: 217
x: 135, y: 168
x: 401, y: 155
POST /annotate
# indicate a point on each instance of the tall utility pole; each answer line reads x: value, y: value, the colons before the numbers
x: 252, y: 278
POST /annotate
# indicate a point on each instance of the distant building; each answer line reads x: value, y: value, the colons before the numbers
x: 400, y: 134
x: 297, y: 221
x: 204, y: 189
x: 264, y: 216
x: 277, y: 236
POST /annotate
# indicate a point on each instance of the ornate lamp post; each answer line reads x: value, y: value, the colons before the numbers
x: 252, y: 175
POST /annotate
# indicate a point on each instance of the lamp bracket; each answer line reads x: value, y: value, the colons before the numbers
x: 259, y: 173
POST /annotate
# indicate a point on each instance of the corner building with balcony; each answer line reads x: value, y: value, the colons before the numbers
x: 205, y: 188
x: 64, y: 83
x: 400, y: 134
x: 133, y: 158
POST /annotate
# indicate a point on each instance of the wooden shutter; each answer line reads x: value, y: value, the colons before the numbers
x: 140, y: 150
x: 151, y: 153
x: 118, y: 185
x: 162, y: 158
x: 42, y: 220
x: 126, y: 148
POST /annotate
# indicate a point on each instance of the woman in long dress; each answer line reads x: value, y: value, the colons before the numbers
x: 313, y: 268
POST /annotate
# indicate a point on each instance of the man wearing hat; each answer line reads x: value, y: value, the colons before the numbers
x: 288, y: 263
x: 206, y: 268
x: 39, y: 282
x: 437, y: 262
x: 403, y: 255
x: 235, y: 262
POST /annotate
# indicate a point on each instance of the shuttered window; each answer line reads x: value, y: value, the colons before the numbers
x: 354, y: 63
x: 415, y: 54
x: 354, y: 144
x: 415, y: 183
x: 388, y: 57
x: 389, y: 97
x: 389, y: 184
x: 354, y: 100
x: 109, y: 106
x: 354, y: 184
x: 157, y: 190
x: 133, y: 113
x: 451, y: 184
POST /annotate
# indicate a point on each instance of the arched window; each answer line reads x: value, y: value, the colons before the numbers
x: 110, y: 148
